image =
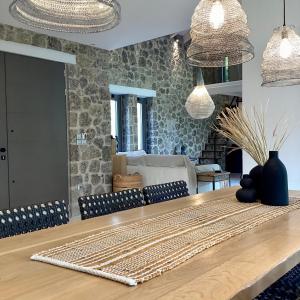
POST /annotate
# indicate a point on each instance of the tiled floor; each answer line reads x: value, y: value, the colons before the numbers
x: 235, y: 179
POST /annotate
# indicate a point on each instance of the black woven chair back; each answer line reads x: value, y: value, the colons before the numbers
x: 32, y: 218
x: 165, y: 192
x: 100, y: 205
x: 286, y: 288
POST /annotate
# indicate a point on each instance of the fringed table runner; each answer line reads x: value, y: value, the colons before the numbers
x: 143, y: 250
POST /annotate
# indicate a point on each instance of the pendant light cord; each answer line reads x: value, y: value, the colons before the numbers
x: 199, y: 77
x: 284, y: 13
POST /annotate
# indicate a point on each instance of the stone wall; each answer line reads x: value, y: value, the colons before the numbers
x: 159, y: 65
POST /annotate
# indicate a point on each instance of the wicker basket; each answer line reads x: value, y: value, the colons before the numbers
x: 127, y: 182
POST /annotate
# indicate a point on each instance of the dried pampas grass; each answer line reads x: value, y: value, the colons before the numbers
x: 248, y: 131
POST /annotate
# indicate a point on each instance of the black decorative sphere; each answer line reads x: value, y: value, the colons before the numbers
x: 247, y: 182
x: 246, y: 195
x: 257, y: 175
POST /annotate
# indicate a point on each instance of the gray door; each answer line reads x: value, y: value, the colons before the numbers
x: 37, y: 130
x: 4, y: 197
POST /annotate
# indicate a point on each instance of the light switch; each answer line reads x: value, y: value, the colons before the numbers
x: 81, y: 139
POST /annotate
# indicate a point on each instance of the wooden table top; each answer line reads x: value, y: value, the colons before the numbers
x: 239, y: 268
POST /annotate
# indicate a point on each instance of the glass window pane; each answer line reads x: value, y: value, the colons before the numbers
x: 114, y: 122
x: 140, y: 126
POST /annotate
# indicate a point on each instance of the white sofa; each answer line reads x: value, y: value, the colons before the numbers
x: 157, y: 169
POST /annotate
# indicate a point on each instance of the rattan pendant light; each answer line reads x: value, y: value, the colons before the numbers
x: 199, y: 104
x: 219, y: 29
x: 281, y: 59
x: 82, y: 16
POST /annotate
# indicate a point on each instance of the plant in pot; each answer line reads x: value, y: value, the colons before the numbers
x: 248, y: 131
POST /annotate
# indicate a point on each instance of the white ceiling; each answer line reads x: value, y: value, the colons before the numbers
x: 142, y: 20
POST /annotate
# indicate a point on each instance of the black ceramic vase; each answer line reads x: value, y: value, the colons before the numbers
x: 275, y: 182
x: 257, y: 175
x: 247, y: 194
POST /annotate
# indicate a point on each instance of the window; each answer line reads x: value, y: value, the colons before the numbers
x: 140, y: 132
x: 142, y: 123
x: 123, y: 120
x: 114, y: 118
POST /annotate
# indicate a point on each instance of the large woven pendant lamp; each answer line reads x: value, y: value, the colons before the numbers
x: 219, y: 29
x: 82, y: 16
x: 281, y: 59
x: 199, y: 104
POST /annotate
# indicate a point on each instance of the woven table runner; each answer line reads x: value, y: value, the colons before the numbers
x: 138, y: 252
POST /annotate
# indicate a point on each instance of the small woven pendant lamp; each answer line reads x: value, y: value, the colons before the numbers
x: 199, y: 104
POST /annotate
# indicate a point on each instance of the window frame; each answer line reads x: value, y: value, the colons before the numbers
x: 121, y: 101
x: 119, y: 120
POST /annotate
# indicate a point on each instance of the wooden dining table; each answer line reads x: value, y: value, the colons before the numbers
x: 239, y: 268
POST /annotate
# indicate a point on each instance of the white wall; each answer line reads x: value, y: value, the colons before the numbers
x: 263, y: 16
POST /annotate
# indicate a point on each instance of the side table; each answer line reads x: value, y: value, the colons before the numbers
x: 213, y: 177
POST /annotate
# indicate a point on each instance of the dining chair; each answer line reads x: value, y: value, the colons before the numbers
x: 165, y: 192
x: 286, y: 288
x: 34, y: 217
x: 104, y: 204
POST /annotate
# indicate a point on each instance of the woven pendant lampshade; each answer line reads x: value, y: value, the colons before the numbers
x: 82, y: 16
x: 219, y: 29
x: 281, y: 59
x: 199, y: 104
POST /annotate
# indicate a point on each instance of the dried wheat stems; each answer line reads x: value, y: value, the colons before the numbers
x: 248, y: 131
